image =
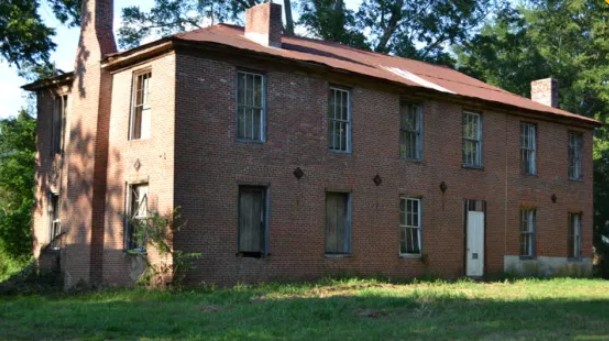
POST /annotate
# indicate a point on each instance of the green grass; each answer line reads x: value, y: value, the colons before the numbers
x: 353, y: 309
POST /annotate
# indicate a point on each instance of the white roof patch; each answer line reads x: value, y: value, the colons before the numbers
x: 416, y: 79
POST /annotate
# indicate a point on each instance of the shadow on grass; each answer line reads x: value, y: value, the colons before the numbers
x: 255, y: 314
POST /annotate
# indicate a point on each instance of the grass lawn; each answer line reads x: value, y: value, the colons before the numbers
x: 353, y: 309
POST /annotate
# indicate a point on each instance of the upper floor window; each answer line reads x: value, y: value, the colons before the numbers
x: 339, y: 120
x: 575, y: 235
x: 137, y: 210
x: 575, y: 155
x: 250, y: 106
x: 140, y: 108
x: 411, y: 131
x: 528, y: 221
x: 472, y: 139
x: 528, y: 148
x: 410, y: 226
x: 58, y: 123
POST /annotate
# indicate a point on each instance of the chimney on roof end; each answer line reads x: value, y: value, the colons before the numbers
x: 545, y: 91
x: 263, y: 24
x: 96, y: 31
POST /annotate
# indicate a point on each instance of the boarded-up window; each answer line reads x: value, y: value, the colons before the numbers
x: 252, y: 220
x: 472, y: 139
x: 137, y: 209
x: 339, y: 120
x: 410, y: 226
x: 411, y: 131
x: 575, y: 155
x: 140, y: 110
x: 528, y: 217
x: 528, y: 148
x: 58, y: 123
x: 338, y: 223
x: 250, y: 106
x: 575, y: 235
x: 55, y: 225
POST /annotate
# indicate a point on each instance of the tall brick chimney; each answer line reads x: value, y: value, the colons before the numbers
x: 86, y: 153
x: 545, y: 91
x: 263, y: 24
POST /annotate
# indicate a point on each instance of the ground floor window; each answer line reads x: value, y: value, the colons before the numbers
x: 55, y: 225
x: 338, y: 223
x: 252, y: 220
x: 528, y: 217
x: 137, y: 210
x: 410, y: 226
x: 575, y: 231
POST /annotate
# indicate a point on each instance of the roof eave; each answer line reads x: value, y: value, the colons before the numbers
x: 63, y: 79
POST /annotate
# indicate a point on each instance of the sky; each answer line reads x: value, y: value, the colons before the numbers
x: 12, y: 98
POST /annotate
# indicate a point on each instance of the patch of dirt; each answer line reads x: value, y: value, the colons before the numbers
x: 370, y: 313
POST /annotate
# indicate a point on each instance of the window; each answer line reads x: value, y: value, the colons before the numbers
x: 338, y: 223
x: 140, y: 111
x: 55, y: 228
x: 575, y: 155
x: 250, y: 106
x: 252, y: 220
x: 137, y: 210
x: 527, y: 232
x: 57, y: 129
x: 410, y: 226
x: 411, y: 131
x: 528, y: 148
x: 575, y: 235
x: 339, y: 120
x: 472, y: 139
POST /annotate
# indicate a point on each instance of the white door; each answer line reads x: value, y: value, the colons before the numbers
x: 475, y: 244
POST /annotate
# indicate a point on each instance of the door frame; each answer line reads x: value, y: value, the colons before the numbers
x: 480, y: 206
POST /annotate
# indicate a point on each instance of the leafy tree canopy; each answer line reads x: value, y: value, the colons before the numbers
x: 17, y: 161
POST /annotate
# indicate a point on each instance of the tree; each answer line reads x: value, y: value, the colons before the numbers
x: 422, y: 29
x: 24, y: 38
x: 565, y: 39
x: 331, y: 20
x: 17, y: 161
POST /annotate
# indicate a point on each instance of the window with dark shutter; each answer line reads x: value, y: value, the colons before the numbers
x: 338, y: 223
x: 252, y: 221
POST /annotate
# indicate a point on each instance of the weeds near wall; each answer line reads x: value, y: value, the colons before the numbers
x: 156, y: 231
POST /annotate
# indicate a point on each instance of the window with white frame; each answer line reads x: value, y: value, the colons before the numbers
x: 411, y: 131
x: 528, y: 148
x: 575, y: 235
x: 55, y: 221
x: 338, y: 223
x: 575, y: 155
x: 472, y: 139
x: 250, y: 106
x: 410, y: 226
x: 527, y: 231
x: 58, y: 123
x: 137, y: 210
x: 252, y: 221
x: 339, y: 120
x: 141, y: 112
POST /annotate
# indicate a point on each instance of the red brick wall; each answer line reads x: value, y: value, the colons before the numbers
x: 210, y: 164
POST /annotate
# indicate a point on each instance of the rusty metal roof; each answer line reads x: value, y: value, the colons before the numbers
x: 396, y: 69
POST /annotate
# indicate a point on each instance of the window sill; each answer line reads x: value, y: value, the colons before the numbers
x: 419, y: 162
x: 576, y: 179
x: 142, y: 140
x: 410, y: 255
x: 528, y: 257
x: 575, y: 259
x: 529, y: 175
x: 476, y: 168
x: 250, y: 142
x: 242, y: 254
x: 337, y: 255
x: 339, y: 152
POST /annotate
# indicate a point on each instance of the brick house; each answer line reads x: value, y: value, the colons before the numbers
x: 295, y: 158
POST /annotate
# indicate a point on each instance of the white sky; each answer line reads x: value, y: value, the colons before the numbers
x: 12, y: 98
